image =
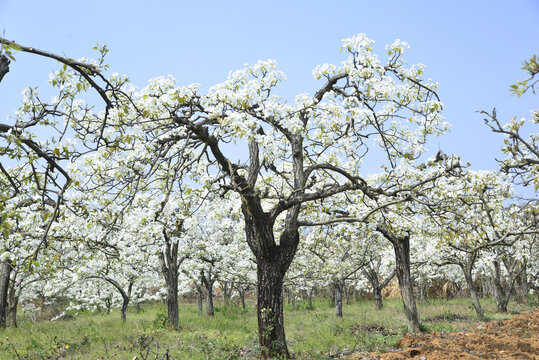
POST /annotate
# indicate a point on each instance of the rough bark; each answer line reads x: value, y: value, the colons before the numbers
x: 377, y: 285
x: 208, y: 284
x: 4, y: 66
x: 14, y: 302
x: 172, y: 301
x: 241, y: 293
x: 5, y: 272
x: 200, y: 297
x: 499, y: 295
x: 402, y: 257
x: 521, y: 288
x: 467, y: 270
x: 338, y: 298
x: 270, y: 310
x: 401, y: 247
x: 169, y: 268
x: 272, y: 263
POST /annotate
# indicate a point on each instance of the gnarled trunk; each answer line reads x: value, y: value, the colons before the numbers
x: 272, y: 263
x: 169, y: 269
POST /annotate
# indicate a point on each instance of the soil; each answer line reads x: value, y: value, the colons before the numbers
x: 515, y: 338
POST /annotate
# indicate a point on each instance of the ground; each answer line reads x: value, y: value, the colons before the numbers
x: 515, y: 338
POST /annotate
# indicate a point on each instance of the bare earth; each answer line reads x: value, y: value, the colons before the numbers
x: 515, y: 338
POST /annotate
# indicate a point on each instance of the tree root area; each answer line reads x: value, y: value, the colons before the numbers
x: 515, y: 338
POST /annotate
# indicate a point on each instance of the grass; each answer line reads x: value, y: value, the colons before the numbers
x: 232, y: 332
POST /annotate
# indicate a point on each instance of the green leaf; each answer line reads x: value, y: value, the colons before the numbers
x: 15, y: 46
x: 3, y: 218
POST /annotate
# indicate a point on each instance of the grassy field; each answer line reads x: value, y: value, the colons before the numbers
x: 231, y: 333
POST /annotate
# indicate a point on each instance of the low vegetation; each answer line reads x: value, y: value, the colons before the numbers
x: 232, y: 332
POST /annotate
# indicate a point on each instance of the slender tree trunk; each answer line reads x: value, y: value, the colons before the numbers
x: 123, y: 310
x: 333, y: 296
x: 241, y: 293
x: 475, y: 299
x: 200, y: 297
x: 401, y: 247
x: 372, y: 276
x: 499, y: 295
x: 5, y: 272
x: 169, y: 267
x: 311, y: 291
x: 208, y: 284
x: 467, y: 270
x: 209, y: 300
x: 521, y: 289
x: 13, y: 310
x: 378, y: 304
x: 338, y: 298
x: 13, y: 300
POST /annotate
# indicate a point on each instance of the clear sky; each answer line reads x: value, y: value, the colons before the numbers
x: 473, y: 49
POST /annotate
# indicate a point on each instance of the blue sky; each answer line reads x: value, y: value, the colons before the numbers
x: 473, y: 49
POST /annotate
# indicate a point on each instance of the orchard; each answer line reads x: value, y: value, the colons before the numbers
x: 117, y: 197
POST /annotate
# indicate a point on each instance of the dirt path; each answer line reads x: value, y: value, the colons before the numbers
x: 515, y: 338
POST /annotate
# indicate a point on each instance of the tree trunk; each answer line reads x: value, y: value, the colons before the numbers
x: 208, y: 284
x: 209, y: 299
x: 13, y: 310
x: 13, y: 301
x: 172, y: 301
x: 475, y: 299
x: 423, y: 288
x: 521, y: 289
x: 378, y: 304
x: 338, y: 298
x: 271, y: 333
x: 241, y: 293
x: 467, y: 270
x: 200, y: 297
x: 311, y: 291
x: 272, y: 258
x: 170, y: 265
x: 333, y: 296
x: 5, y: 272
x: 123, y: 310
x: 499, y: 295
x: 401, y: 246
x: 377, y: 287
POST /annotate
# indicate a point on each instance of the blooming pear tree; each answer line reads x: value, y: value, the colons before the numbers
x: 299, y: 152
x: 471, y: 217
x: 340, y: 252
x: 395, y: 214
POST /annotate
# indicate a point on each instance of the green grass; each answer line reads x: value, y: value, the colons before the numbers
x: 231, y: 333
